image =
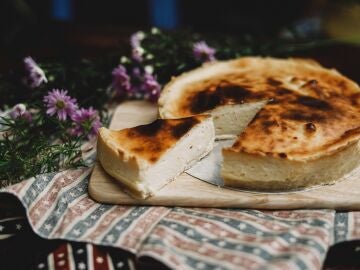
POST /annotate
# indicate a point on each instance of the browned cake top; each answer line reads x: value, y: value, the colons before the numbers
x: 310, y: 109
x: 301, y: 126
x: 151, y: 141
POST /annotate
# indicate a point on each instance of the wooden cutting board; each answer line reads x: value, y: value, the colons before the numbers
x: 189, y: 191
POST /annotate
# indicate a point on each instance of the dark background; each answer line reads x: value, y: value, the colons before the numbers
x: 60, y: 29
x: 59, y: 26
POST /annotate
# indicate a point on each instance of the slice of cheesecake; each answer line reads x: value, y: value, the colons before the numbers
x: 145, y: 158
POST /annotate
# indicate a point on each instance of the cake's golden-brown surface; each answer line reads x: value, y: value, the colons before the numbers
x: 310, y: 111
x: 150, y: 141
x: 305, y: 133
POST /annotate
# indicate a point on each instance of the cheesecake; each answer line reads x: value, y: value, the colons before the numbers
x: 145, y: 158
x: 297, y: 123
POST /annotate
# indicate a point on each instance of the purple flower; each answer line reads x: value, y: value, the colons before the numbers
x: 137, y: 54
x: 136, y: 73
x: 151, y: 87
x: 121, y: 80
x: 57, y: 101
x: 86, y: 121
x: 35, y: 73
x: 137, y: 78
x: 136, y: 38
x: 202, y: 52
x: 19, y: 111
x: 136, y: 50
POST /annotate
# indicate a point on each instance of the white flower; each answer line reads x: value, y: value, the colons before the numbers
x: 124, y: 59
x: 140, y: 35
x: 149, y: 69
x: 155, y: 31
x: 149, y: 56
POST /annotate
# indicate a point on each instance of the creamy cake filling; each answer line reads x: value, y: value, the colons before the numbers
x: 231, y: 120
x: 144, y: 176
x: 190, y: 149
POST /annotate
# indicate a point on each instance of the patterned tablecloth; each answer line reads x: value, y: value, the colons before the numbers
x: 58, y: 207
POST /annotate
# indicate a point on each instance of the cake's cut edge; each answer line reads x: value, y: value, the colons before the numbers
x: 267, y: 173
x: 142, y: 176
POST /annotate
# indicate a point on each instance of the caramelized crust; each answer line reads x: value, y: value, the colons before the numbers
x: 151, y: 141
x: 311, y: 110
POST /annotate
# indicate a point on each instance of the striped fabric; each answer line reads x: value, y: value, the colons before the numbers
x: 57, y: 255
x: 58, y: 207
x: 80, y: 256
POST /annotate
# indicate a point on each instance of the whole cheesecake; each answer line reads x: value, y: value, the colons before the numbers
x: 297, y: 123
